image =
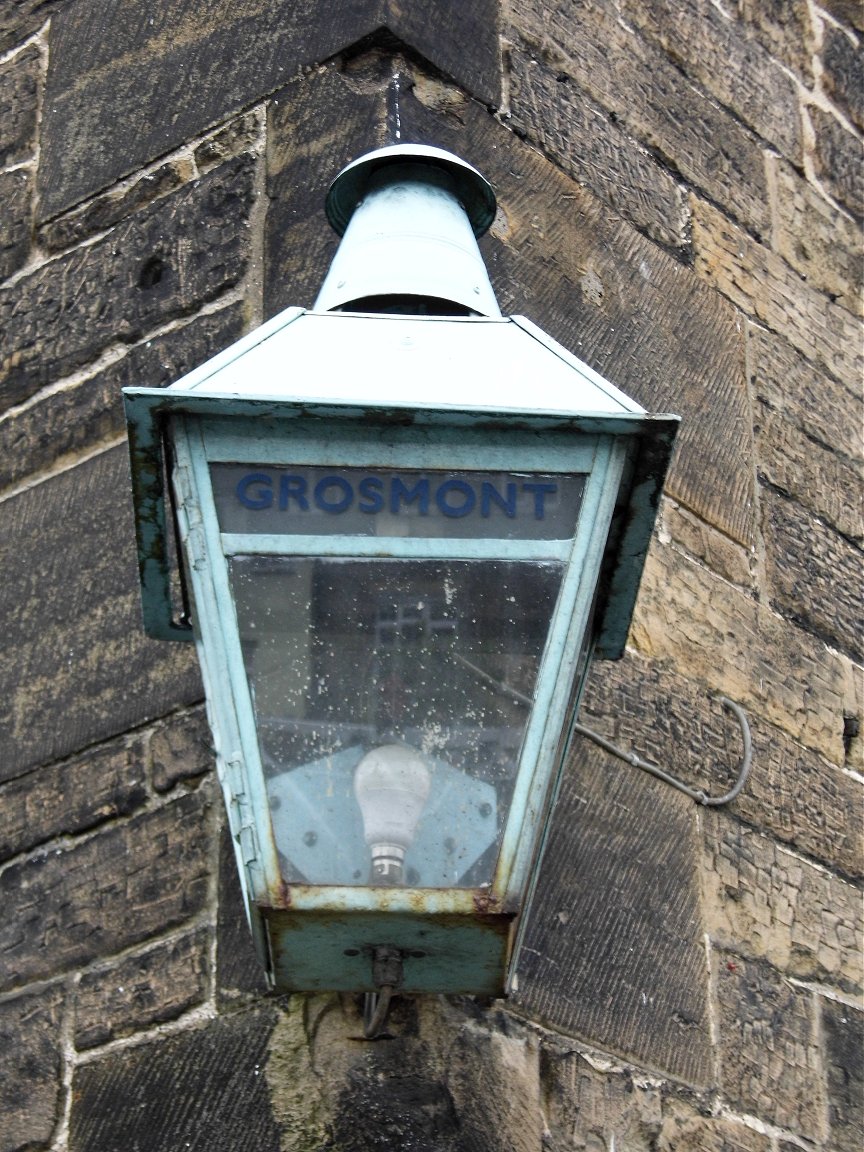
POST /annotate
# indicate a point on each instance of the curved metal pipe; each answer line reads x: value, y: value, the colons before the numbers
x: 694, y: 793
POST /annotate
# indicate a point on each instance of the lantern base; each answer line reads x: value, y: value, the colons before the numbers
x: 332, y: 952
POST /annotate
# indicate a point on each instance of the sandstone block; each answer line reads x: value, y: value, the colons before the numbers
x: 846, y: 11
x: 586, y: 1108
x: 94, y: 898
x: 814, y: 574
x: 751, y: 83
x: 31, y: 1069
x: 181, y: 748
x: 555, y: 254
x: 785, y: 28
x: 769, y: 1061
x: 19, y: 84
x: 791, y: 792
x: 164, y: 262
x: 817, y: 240
x: 582, y: 139
x: 613, y: 951
x: 687, y: 1130
x: 716, y: 634
x: 630, y: 77
x: 816, y: 404
x: 843, y: 1032
x: 763, y: 286
x: 821, y: 479
x: 122, y: 92
x: 77, y: 668
x: 215, y: 1074
x: 765, y: 902
x: 142, y: 990
x: 113, y: 207
x: 73, y: 419
x: 843, y: 71
x: 16, y: 196
x: 704, y: 543
x: 71, y: 796
x: 238, y: 135
x: 838, y: 160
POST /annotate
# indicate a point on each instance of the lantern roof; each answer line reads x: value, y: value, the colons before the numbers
x: 473, y: 363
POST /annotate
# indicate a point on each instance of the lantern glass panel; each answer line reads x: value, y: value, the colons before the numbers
x: 391, y: 699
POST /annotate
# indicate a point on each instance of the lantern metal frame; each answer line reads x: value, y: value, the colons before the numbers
x: 321, y: 937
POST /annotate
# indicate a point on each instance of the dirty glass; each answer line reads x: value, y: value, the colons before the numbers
x: 391, y: 698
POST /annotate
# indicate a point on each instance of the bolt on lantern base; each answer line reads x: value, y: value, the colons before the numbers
x: 402, y: 534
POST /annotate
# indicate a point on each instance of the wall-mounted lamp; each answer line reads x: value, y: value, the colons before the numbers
x: 405, y: 523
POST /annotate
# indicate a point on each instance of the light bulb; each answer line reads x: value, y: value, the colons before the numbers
x: 391, y: 784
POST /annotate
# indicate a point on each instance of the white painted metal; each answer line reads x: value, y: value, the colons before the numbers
x: 465, y: 364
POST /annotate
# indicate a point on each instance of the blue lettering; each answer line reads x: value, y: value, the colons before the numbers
x: 540, y: 492
x: 292, y: 488
x: 469, y: 499
x: 370, y: 488
x: 261, y: 496
x: 419, y: 494
x: 339, y: 505
x: 490, y: 495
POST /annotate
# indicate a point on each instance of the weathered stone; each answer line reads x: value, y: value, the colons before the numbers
x: 586, y: 1109
x: 115, y: 206
x: 19, y: 83
x: 843, y: 1032
x: 77, y: 904
x: 817, y: 240
x: 70, y: 797
x: 838, y: 160
x: 181, y: 748
x: 122, y: 92
x: 716, y: 634
x: 816, y: 404
x: 556, y: 254
x: 203, y: 1090
x: 77, y: 667
x: 165, y: 262
x: 58, y: 427
x: 239, y: 972
x: 813, y: 574
x: 785, y: 28
x: 16, y: 196
x: 751, y: 83
x: 142, y: 990
x: 843, y: 71
x: 791, y: 792
x: 769, y: 1060
x: 236, y: 136
x: 722, y: 555
x: 585, y: 142
x: 686, y: 1130
x: 31, y: 1070
x: 846, y: 11
x: 820, y: 478
x: 21, y: 18
x: 766, y: 902
x: 613, y: 951
x: 633, y: 79
x: 760, y: 283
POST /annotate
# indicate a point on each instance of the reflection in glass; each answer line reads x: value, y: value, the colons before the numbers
x: 429, y: 664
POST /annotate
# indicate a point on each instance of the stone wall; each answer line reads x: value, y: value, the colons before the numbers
x: 681, y: 191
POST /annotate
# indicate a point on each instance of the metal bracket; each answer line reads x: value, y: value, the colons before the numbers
x: 694, y: 793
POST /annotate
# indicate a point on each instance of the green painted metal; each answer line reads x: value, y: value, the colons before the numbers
x: 148, y: 411
x: 443, y: 953
x: 320, y: 937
